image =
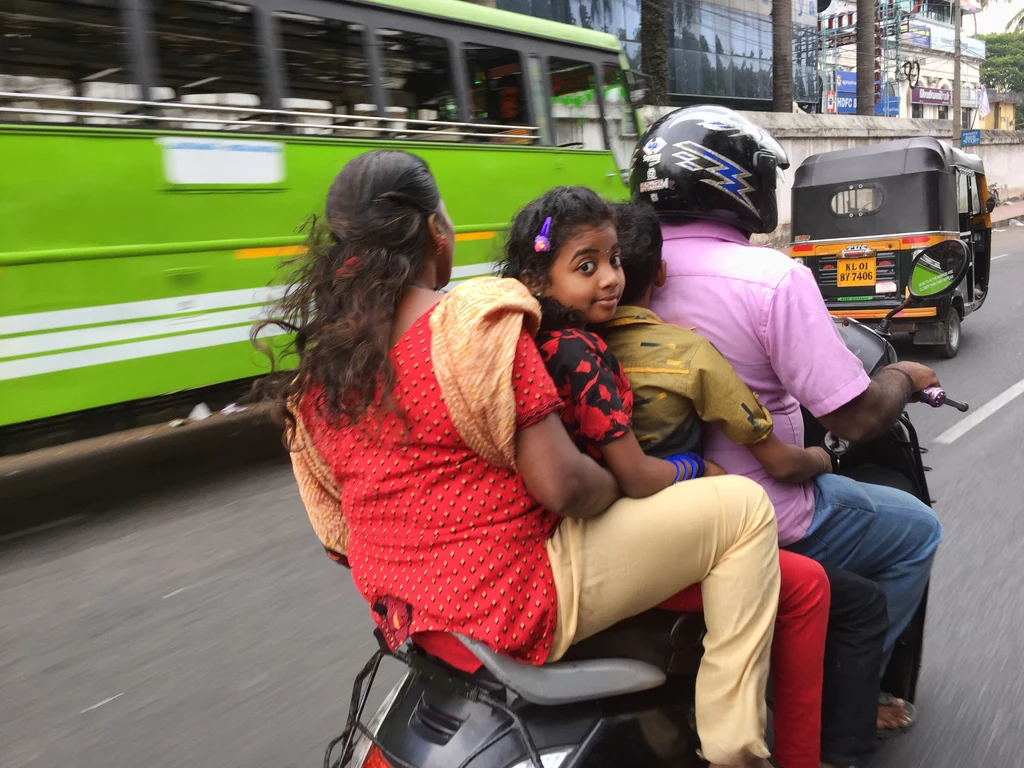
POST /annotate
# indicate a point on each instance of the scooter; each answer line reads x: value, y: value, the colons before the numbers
x: 624, y: 696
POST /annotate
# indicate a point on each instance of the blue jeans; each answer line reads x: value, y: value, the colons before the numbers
x: 879, y: 533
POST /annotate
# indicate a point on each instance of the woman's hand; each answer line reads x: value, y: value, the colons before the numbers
x: 713, y: 470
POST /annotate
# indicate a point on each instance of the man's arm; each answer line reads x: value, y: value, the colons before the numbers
x: 814, y: 365
x: 874, y: 411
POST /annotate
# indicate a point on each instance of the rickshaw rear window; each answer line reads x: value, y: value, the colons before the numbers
x: 859, y: 200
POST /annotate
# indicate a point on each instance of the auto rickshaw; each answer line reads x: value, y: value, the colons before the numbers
x: 860, y: 215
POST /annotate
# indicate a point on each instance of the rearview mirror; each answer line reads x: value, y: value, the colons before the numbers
x: 990, y: 204
x: 937, y: 271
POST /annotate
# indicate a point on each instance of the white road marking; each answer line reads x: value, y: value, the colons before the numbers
x: 964, y: 426
x: 100, y: 704
x: 175, y: 592
x: 1000, y: 256
x: 43, y: 527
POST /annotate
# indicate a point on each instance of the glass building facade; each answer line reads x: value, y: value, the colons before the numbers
x: 718, y: 51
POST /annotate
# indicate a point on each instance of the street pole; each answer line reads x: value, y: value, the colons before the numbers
x: 957, y: 118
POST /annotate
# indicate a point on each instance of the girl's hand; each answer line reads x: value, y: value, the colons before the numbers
x: 823, y: 457
x: 713, y: 470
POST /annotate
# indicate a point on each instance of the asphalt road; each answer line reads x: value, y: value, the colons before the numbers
x: 178, y: 611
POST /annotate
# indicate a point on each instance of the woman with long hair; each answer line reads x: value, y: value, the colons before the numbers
x: 430, y: 454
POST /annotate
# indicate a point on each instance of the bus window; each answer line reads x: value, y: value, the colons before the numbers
x: 69, y: 58
x: 619, y: 118
x: 209, y: 64
x: 574, y: 107
x: 418, y: 79
x: 327, y: 73
x: 496, y: 86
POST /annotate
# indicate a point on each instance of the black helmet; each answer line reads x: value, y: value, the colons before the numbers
x: 709, y: 163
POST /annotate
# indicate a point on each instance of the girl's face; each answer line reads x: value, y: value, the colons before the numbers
x: 586, y: 274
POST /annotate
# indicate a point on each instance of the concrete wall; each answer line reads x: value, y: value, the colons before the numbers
x: 802, y: 135
x: 1003, y: 155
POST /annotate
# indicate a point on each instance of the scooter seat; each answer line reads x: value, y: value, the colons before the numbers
x: 670, y: 641
x: 567, y: 682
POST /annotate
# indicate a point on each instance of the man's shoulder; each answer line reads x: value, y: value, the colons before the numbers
x: 752, y: 262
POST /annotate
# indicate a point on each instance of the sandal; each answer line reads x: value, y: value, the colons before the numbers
x: 886, y: 700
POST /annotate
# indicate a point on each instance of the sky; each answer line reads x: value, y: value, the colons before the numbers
x: 995, y: 17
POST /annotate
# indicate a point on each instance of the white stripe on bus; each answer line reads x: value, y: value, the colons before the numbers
x: 66, y: 361
x: 473, y: 270
x: 142, y: 310
x: 136, y: 310
x: 38, y: 344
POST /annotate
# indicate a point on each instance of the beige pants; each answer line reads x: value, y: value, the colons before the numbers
x: 719, y: 531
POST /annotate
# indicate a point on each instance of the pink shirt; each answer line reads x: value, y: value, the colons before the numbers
x: 764, y: 313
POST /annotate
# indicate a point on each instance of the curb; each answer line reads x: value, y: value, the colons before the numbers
x: 100, y: 473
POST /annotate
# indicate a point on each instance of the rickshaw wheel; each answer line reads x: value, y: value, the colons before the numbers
x: 951, y: 335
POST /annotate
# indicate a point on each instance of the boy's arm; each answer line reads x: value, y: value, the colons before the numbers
x: 639, y: 475
x: 723, y: 399
x: 789, y: 463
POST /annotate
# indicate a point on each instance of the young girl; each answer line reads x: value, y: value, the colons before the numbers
x: 564, y: 248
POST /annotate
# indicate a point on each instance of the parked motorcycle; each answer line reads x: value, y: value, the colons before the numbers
x: 624, y: 696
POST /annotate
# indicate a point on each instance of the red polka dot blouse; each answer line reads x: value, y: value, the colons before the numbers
x: 439, y: 538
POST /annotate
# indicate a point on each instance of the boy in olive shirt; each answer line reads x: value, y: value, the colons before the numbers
x: 679, y: 380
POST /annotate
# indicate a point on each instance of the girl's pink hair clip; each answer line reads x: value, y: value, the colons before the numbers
x: 542, y: 242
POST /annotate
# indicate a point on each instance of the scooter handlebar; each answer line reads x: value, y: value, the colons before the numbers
x: 936, y: 398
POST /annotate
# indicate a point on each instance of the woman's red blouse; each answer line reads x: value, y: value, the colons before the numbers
x: 440, y: 539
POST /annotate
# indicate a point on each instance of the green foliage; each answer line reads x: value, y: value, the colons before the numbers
x: 1003, y: 67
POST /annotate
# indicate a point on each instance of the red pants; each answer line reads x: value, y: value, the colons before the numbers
x: 798, y: 656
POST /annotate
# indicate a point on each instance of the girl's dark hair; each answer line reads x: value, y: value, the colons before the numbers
x: 640, y: 244
x: 571, y: 209
x: 344, y: 291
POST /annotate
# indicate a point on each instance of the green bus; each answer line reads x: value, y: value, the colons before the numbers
x: 160, y: 156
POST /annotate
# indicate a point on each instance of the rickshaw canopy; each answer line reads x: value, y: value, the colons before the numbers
x: 901, y: 187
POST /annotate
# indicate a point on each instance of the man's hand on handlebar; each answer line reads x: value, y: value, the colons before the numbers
x: 922, y: 375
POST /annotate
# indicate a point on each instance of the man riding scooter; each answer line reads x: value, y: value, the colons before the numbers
x: 710, y: 174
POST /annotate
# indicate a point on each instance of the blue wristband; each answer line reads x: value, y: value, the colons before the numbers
x: 689, y: 469
x: 699, y: 461
x: 678, y: 470
x: 689, y: 466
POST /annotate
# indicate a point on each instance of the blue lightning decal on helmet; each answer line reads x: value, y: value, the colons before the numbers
x: 724, y: 173
x: 718, y: 125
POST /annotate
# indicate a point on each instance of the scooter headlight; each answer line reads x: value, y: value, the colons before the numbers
x: 550, y: 759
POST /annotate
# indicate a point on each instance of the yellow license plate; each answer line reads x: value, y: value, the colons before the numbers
x: 856, y: 272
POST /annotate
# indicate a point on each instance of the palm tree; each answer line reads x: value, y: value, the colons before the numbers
x: 1016, y: 24
x: 654, y: 50
x: 782, y: 56
x: 866, y: 57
